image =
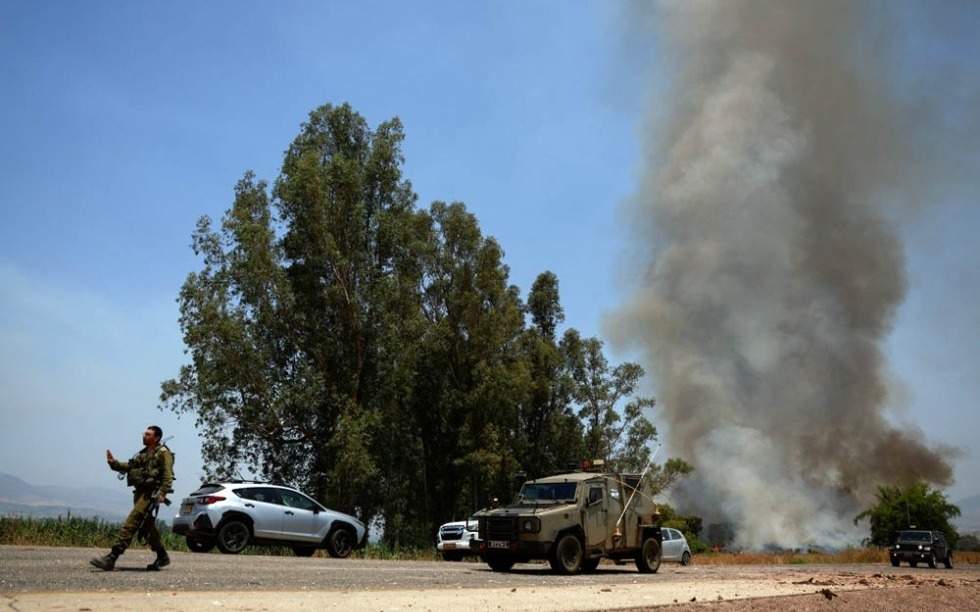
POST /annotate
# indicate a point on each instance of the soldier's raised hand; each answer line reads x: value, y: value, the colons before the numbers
x: 108, y: 456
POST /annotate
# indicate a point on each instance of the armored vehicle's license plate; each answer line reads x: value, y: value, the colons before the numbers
x: 186, y: 508
x: 499, y: 544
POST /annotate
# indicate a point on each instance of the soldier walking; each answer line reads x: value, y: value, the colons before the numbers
x: 151, y: 473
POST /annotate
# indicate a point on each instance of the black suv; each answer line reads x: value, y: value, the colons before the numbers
x: 925, y: 546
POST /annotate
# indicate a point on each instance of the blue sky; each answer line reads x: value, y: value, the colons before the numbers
x: 124, y: 122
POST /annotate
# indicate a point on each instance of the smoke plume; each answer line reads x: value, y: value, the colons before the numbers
x: 776, y: 168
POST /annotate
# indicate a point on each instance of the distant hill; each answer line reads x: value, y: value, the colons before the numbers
x: 969, y: 520
x: 21, y: 498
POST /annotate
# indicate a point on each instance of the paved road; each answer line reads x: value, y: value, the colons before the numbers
x: 67, y: 569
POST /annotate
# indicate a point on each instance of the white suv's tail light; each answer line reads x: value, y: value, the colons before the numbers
x: 209, y: 499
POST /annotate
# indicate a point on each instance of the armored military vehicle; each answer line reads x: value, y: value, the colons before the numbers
x: 574, y: 520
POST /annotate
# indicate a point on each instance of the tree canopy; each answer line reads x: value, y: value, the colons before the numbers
x: 375, y: 354
x: 916, y: 506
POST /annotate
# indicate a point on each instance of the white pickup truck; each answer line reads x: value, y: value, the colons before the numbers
x: 457, y: 539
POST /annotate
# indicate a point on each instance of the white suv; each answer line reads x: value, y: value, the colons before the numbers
x: 234, y: 514
x: 457, y: 539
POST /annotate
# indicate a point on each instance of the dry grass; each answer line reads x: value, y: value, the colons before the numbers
x: 850, y: 555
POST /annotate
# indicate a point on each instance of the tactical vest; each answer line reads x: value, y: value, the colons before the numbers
x: 146, y: 470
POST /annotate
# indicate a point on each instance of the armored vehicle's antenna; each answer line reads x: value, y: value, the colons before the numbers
x: 618, y: 533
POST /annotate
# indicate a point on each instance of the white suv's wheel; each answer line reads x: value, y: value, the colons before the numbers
x: 199, y: 546
x: 233, y: 537
x: 340, y: 542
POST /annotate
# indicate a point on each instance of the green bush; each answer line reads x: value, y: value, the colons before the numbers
x: 917, y: 506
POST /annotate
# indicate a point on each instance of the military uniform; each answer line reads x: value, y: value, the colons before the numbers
x: 150, y: 473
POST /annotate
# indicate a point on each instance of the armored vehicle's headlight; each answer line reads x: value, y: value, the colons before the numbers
x: 531, y: 525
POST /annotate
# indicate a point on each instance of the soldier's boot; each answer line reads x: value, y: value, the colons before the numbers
x: 162, y: 560
x: 107, y: 562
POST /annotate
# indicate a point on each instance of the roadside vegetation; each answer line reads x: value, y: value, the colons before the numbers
x: 72, y: 531
x: 93, y: 533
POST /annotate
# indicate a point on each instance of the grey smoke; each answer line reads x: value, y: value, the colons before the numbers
x: 776, y: 169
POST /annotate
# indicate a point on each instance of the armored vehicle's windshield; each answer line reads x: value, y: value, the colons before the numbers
x: 547, y: 492
x: 915, y: 536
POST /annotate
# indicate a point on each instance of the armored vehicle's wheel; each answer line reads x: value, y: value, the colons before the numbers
x: 686, y: 558
x: 304, y: 551
x: 452, y: 556
x: 233, y: 537
x: 648, y: 559
x: 590, y: 565
x: 948, y: 561
x: 896, y: 562
x: 932, y: 561
x: 500, y: 565
x: 567, y: 554
x: 340, y: 542
x: 200, y: 546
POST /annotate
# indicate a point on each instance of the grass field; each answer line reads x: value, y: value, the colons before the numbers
x: 91, y: 533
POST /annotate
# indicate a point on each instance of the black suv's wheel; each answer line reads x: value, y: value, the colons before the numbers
x: 896, y: 562
x: 500, y: 564
x: 304, y: 551
x: 567, y: 555
x: 648, y: 559
x: 590, y: 565
x: 199, y: 545
x: 233, y: 537
x: 932, y: 561
x: 948, y: 561
x: 686, y: 558
x: 340, y: 542
x: 913, y: 563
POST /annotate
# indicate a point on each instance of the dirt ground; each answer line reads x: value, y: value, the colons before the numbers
x: 905, y: 592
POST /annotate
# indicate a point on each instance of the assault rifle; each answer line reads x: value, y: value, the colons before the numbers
x: 150, y: 518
